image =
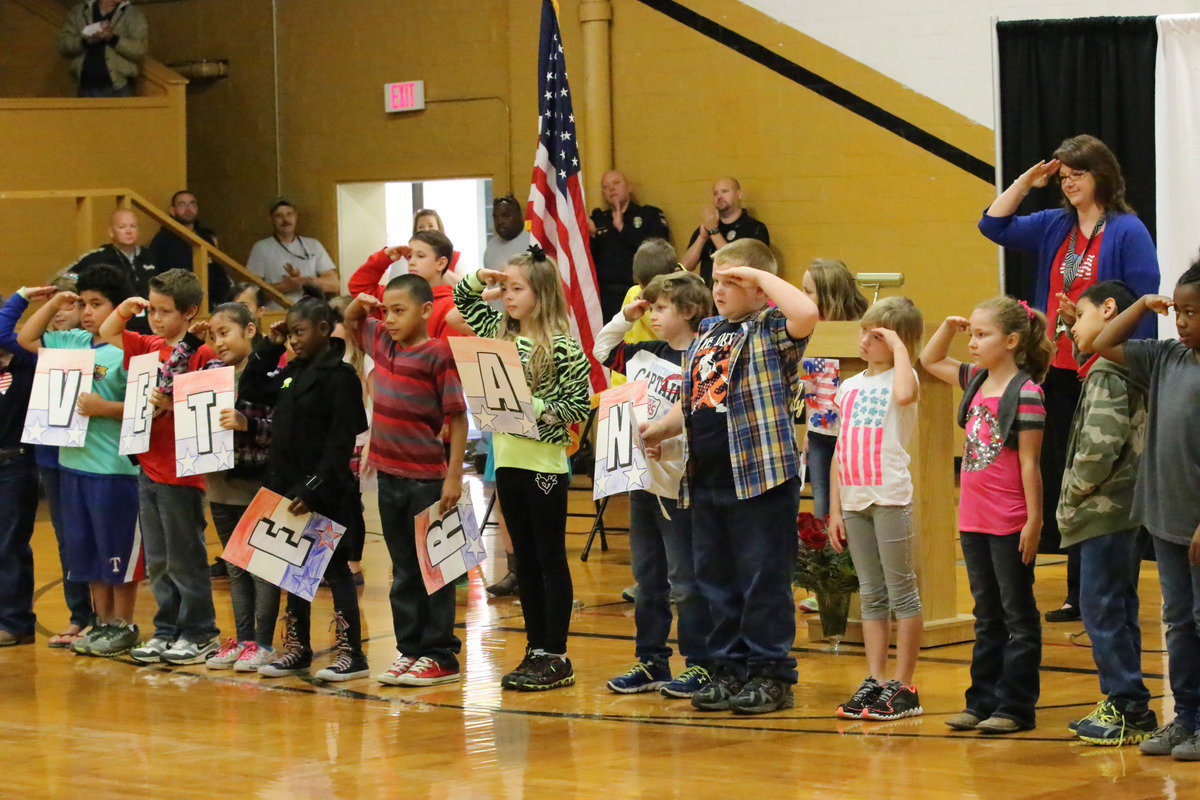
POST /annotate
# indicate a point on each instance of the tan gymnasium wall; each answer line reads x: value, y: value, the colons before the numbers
x: 827, y: 182
x: 334, y: 60
x: 685, y: 110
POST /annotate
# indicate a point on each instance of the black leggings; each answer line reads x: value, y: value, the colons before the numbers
x: 345, y: 601
x: 535, y: 506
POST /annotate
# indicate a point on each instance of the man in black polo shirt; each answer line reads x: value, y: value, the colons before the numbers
x: 172, y: 252
x: 123, y: 252
x: 721, y: 223
x: 617, y: 232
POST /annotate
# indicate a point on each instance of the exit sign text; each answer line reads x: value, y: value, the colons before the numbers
x: 404, y: 96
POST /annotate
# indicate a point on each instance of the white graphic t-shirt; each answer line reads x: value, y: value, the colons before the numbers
x: 871, y: 460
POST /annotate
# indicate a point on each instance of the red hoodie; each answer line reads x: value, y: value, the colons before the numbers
x: 365, y: 280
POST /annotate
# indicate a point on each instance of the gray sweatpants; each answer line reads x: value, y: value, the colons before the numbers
x: 883, y: 548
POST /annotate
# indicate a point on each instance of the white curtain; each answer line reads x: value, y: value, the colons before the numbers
x: 1177, y: 149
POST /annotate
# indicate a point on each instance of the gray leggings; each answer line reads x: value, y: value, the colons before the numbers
x: 883, y: 548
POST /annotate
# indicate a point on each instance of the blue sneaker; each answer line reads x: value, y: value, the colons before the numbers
x: 687, y: 683
x: 643, y: 676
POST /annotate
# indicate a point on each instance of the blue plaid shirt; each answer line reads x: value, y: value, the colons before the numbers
x: 764, y: 380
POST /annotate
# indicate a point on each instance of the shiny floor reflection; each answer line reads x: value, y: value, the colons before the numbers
x: 90, y: 728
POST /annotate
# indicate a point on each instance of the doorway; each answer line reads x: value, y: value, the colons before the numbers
x: 374, y: 214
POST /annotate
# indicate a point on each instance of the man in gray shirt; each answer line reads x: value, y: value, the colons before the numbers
x: 288, y: 261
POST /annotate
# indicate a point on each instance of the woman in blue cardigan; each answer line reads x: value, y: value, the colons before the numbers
x: 1094, y: 237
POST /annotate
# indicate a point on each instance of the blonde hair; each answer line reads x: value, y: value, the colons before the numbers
x: 549, y: 318
x: 838, y: 297
x: 686, y: 291
x: 1034, y: 349
x: 897, y: 314
x: 428, y: 212
x: 747, y: 253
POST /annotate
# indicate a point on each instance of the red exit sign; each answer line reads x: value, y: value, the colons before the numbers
x: 404, y: 96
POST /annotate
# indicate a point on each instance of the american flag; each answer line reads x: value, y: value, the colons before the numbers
x: 860, y: 443
x: 557, y: 213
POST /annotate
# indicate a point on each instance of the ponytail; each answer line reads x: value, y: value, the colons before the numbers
x: 1034, y: 349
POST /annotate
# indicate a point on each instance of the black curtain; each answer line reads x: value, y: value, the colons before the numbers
x: 1059, y: 78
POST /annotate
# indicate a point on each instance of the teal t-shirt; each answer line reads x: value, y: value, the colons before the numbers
x: 99, y: 452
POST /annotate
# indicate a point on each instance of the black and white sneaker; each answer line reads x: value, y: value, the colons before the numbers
x: 762, y: 695
x: 292, y: 662
x: 346, y: 667
x: 867, y: 691
x: 716, y: 694
x: 185, y: 651
x: 896, y: 701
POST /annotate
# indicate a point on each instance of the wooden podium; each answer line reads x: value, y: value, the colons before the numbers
x: 932, y: 467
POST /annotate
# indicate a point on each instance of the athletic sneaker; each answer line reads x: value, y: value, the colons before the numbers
x: 643, y: 676
x: 717, y: 693
x: 427, y: 671
x: 1164, y: 740
x: 185, y: 651
x: 1187, y: 750
x: 1115, y: 726
x: 509, y: 680
x: 83, y: 645
x: 896, y: 701
x: 543, y: 673
x: 150, y: 652
x: 867, y: 691
x: 762, y: 695
x: 629, y: 594
x: 1074, y: 724
x: 253, y: 657
x: 228, y: 654
x: 391, y: 676
x: 349, y: 664
x: 292, y: 662
x: 115, y: 639
x: 687, y: 683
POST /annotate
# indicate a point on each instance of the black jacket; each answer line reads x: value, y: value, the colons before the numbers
x: 612, y: 249
x: 318, y: 414
x: 172, y: 252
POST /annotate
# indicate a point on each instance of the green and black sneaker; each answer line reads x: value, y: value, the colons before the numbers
x: 543, y: 672
x: 1117, y: 724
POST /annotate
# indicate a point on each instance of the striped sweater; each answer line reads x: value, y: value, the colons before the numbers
x: 562, y: 396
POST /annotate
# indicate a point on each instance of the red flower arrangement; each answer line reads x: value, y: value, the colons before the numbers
x: 818, y: 566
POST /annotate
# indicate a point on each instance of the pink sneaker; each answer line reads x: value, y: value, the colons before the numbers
x: 428, y: 672
x: 391, y: 677
x: 227, y: 655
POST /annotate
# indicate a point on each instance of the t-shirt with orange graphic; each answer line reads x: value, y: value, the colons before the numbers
x: 708, y: 431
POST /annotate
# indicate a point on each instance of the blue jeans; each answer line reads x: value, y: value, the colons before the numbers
x: 423, y: 622
x: 1008, y: 629
x: 1181, y: 613
x: 1108, y: 573
x: 77, y: 593
x: 745, y: 555
x: 172, y: 523
x: 819, y: 464
x: 664, y: 565
x: 19, y: 500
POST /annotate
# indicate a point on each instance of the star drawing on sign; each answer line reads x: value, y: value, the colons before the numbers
x: 486, y: 420
x: 529, y: 427
x: 34, y: 432
x: 75, y: 438
x: 637, y: 478
x: 303, y: 585
x: 475, y: 548
x: 326, y: 537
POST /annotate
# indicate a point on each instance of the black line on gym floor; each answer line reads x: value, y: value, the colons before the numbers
x: 825, y: 88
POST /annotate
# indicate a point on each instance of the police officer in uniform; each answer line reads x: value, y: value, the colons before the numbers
x: 722, y: 222
x: 617, y: 232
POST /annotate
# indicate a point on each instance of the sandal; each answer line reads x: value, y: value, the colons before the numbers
x: 67, y: 637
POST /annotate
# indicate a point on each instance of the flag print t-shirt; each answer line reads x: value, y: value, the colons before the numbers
x: 871, y: 460
x: 708, y: 429
x: 820, y: 380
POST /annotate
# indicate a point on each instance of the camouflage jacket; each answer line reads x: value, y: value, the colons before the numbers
x: 1107, y: 435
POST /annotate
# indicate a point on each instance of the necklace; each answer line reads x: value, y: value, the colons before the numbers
x: 304, y: 254
x: 1072, y: 261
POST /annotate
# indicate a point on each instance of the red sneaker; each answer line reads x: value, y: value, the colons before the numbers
x: 428, y: 672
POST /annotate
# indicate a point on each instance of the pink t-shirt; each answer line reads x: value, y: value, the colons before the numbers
x: 993, y: 494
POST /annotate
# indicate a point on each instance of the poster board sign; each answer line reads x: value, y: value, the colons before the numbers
x: 493, y: 381
x: 59, y: 378
x: 448, y: 546
x: 289, y: 551
x: 201, y: 444
x: 620, y: 453
x: 138, y: 414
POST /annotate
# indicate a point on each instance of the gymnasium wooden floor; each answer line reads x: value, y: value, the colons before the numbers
x: 78, y: 727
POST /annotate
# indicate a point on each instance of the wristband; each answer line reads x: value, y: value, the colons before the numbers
x: 713, y: 231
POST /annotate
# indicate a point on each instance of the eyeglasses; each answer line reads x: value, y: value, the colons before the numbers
x: 1074, y: 176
